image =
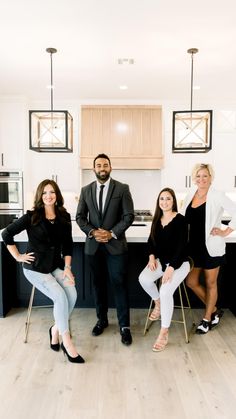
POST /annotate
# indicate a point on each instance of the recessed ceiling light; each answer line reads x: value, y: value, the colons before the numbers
x: 127, y: 61
x: 123, y: 87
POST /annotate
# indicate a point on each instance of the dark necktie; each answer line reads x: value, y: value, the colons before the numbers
x: 100, y: 198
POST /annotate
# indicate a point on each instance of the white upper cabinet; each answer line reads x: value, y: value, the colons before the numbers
x: 177, y: 171
x: 61, y: 167
x: 224, y: 150
x: 12, y: 134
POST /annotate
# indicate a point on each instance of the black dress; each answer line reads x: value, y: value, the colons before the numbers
x: 197, y: 243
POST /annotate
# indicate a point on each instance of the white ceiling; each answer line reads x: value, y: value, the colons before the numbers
x: 90, y: 36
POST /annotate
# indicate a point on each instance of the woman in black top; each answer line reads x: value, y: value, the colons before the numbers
x: 47, y: 261
x: 203, y: 208
x: 167, y: 259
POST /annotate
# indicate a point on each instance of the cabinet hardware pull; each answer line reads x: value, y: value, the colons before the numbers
x: 2, y: 159
x: 235, y: 181
x: 186, y: 181
x: 189, y: 181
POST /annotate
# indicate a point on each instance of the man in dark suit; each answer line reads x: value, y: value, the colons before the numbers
x: 104, y: 212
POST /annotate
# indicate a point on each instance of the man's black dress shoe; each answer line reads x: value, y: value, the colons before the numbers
x: 126, y: 337
x: 99, y: 327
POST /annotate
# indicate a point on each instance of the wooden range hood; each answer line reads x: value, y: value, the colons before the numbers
x: 130, y: 135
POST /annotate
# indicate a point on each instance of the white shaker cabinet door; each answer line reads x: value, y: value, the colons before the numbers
x: 61, y: 167
x: 177, y: 171
x: 12, y: 129
x: 224, y: 161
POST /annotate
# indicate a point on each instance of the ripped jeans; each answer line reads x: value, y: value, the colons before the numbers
x: 63, y: 296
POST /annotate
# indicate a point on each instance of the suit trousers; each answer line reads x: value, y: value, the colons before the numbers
x: 101, y: 264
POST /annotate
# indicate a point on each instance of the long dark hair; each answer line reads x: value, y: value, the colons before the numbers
x: 38, y: 208
x: 158, y: 211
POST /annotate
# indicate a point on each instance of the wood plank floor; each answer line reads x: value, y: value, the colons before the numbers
x: 195, y: 380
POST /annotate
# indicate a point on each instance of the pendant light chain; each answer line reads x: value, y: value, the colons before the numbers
x: 51, y: 83
x: 192, y: 51
x: 51, y: 51
x: 191, y: 99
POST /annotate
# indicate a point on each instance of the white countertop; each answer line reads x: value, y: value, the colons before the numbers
x: 134, y: 234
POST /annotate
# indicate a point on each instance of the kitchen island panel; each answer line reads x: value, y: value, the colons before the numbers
x: 15, y: 289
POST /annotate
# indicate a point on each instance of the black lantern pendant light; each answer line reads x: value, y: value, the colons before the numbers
x: 51, y: 131
x: 192, y: 130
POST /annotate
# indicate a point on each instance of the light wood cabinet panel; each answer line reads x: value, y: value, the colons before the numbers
x: 130, y: 135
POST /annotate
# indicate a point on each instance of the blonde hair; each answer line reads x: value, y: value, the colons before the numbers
x: 200, y: 166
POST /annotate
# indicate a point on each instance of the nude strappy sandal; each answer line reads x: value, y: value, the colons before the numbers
x: 155, y: 314
x: 160, y: 343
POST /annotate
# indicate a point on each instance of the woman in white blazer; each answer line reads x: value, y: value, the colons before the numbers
x: 203, y: 208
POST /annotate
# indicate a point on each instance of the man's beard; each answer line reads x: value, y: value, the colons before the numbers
x: 104, y: 177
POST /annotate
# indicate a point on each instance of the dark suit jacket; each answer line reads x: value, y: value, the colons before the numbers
x: 117, y: 216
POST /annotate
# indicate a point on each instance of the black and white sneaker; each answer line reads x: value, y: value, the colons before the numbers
x: 203, y: 327
x: 215, y: 317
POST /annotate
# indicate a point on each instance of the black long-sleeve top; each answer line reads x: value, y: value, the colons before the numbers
x: 49, y: 242
x: 170, y: 244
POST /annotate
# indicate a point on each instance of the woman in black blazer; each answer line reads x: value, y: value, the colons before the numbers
x: 47, y: 261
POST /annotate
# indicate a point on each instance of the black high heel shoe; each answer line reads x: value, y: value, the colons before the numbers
x: 54, y: 346
x: 76, y: 360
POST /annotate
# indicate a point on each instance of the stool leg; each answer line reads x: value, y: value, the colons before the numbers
x: 183, y: 315
x: 146, y: 327
x: 27, y: 323
x: 188, y: 302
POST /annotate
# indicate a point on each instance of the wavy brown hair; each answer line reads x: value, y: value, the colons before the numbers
x: 38, y: 208
x: 158, y: 211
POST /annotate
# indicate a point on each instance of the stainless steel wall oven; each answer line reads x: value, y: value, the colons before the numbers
x: 11, y: 196
x: 11, y: 190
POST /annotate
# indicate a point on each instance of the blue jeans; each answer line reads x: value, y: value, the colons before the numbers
x: 63, y: 296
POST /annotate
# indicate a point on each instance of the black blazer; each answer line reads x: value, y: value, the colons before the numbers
x: 117, y: 216
x: 49, y: 247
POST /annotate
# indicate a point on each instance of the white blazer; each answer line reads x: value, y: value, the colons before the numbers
x: 216, y: 203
